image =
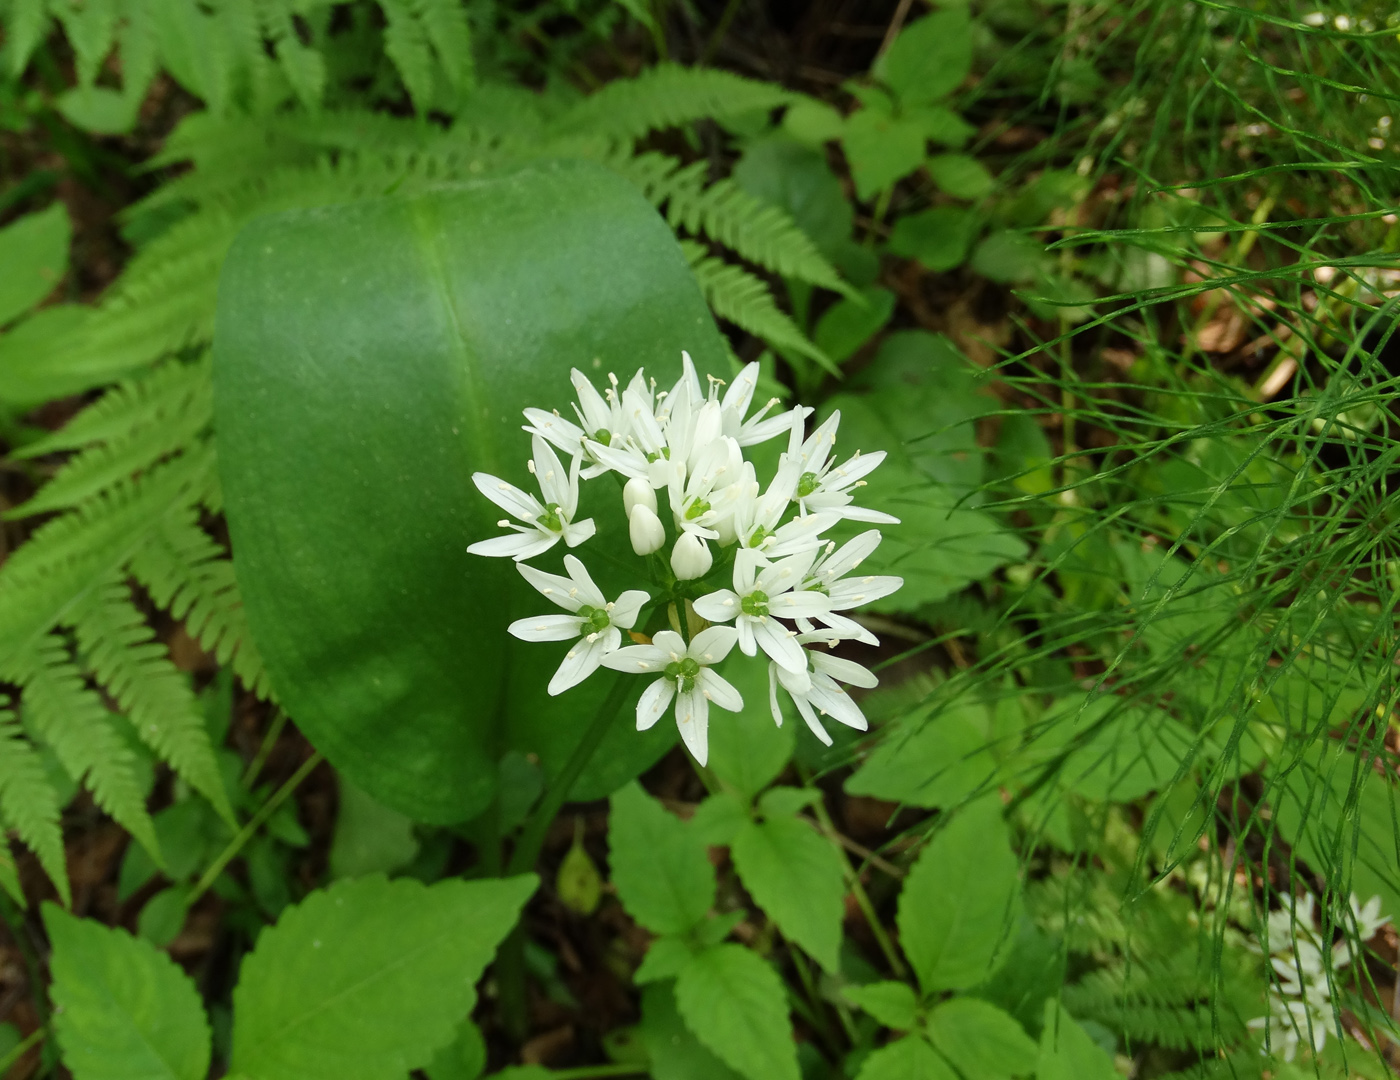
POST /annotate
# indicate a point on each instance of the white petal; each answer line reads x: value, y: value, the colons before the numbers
x: 547, y: 628
x: 579, y: 662
x: 520, y: 545
x: 670, y: 643
x: 781, y: 645
x: 836, y: 703
x: 740, y: 393
x: 861, y: 513
x: 588, y: 592
x: 564, y: 434
x: 850, y: 555
x: 773, y: 694
x: 847, y: 671
x: 549, y: 472
x: 651, y: 707
x: 848, y: 628
x: 559, y: 590
x: 626, y: 608
x: 747, y: 645
x: 853, y: 470
x: 718, y: 607
x: 786, y: 573
x: 579, y: 531
x: 508, y: 497
x: 790, y: 605
x: 852, y: 592
x: 712, y: 644
x: 693, y: 721
x: 805, y: 708
x: 720, y: 691
x: 637, y: 659
x: 625, y: 461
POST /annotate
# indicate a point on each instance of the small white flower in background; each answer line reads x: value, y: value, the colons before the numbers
x: 723, y: 526
x: 546, y: 523
x: 1300, y: 1004
x: 687, y: 677
x: 596, y: 623
x: 818, y: 689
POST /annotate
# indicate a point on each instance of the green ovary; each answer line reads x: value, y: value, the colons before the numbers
x: 685, y: 672
x: 755, y: 604
x: 595, y: 620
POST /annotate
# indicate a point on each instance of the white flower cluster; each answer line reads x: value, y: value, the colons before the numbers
x: 1300, y: 1005
x: 790, y: 585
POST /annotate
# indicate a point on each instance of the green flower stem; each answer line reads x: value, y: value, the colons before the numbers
x: 249, y: 830
x: 274, y: 732
x: 23, y: 1048
x: 510, y: 959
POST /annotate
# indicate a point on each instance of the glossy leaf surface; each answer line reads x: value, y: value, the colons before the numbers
x: 368, y: 359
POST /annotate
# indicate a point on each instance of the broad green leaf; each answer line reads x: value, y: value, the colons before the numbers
x: 882, y: 148
x: 1034, y: 970
x: 360, y: 345
x: 737, y: 1007
x: 930, y: 58
x: 798, y: 179
x: 99, y: 110
x: 659, y: 866
x: 1067, y: 1052
x: 747, y: 750
x: 370, y: 838
x: 674, y: 1051
x: 665, y: 958
x: 980, y: 1039
x: 848, y: 324
x: 464, y: 1058
x: 960, y: 175
x: 891, y: 1003
x: 796, y: 877
x: 1009, y: 257
x: 785, y: 801
x: 123, y: 1010
x: 163, y: 916
x: 33, y: 259
x: 933, y: 762
x: 368, y: 979
x: 909, y: 1058
x: 812, y: 123
x: 938, y: 238
x: 960, y: 897
x: 719, y: 818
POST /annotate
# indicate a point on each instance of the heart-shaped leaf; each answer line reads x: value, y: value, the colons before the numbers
x: 368, y: 359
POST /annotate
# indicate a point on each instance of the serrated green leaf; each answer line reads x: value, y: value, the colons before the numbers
x: 367, y: 979
x: 881, y: 148
x: 933, y: 762
x: 786, y: 801
x: 1067, y: 1052
x: 960, y: 897
x: 33, y: 259
x: 665, y: 958
x: 848, y: 324
x: 891, y: 1003
x: 960, y: 175
x: 938, y: 238
x: 124, y: 1011
x: 370, y: 838
x: 980, y: 1039
x: 163, y: 916
x: 736, y: 1006
x: 464, y: 1058
x: 909, y: 1058
x: 930, y: 57
x: 673, y: 1051
x: 719, y: 818
x: 797, y: 877
x: 659, y: 865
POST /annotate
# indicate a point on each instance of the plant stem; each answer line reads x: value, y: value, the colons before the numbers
x: 23, y: 1048
x: 730, y: 10
x: 587, y: 1072
x: 510, y: 959
x: 274, y: 732
x: 246, y: 833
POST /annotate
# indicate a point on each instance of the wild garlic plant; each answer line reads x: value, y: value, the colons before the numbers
x: 1300, y: 1003
x: 748, y: 565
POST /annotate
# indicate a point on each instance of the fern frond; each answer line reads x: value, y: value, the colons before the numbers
x: 305, y: 68
x: 91, y: 28
x: 450, y: 35
x: 153, y: 434
x: 29, y: 805
x: 120, y: 648
x: 729, y: 215
x: 24, y: 29
x: 744, y: 300
x: 66, y: 559
x: 406, y: 44
x: 126, y: 408
x: 70, y: 718
x: 667, y: 96
x: 1177, y: 1027
x: 187, y: 574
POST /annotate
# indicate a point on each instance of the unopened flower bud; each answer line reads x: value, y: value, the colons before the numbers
x: 638, y: 492
x: 691, y: 558
x: 646, y: 531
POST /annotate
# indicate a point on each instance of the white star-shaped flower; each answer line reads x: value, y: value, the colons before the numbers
x: 828, y: 577
x: 687, y: 676
x: 818, y: 689
x: 596, y: 623
x: 822, y: 485
x: 545, y: 523
x: 760, y: 598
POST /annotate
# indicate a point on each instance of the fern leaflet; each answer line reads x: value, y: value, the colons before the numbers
x: 28, y: 805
